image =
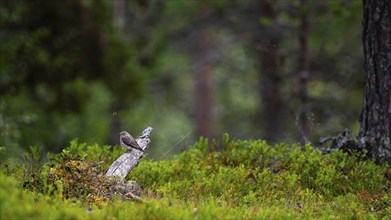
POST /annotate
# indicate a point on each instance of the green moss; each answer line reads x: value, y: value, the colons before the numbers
x: 245, y: 179
x: 252, y: 173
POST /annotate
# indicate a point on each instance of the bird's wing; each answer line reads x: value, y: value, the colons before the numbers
x: 128, y: 141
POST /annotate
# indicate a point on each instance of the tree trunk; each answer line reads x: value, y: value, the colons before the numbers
x: 203, y: 87
x: 375, y: 122
x: 302, y: 117
x: 270, y: 80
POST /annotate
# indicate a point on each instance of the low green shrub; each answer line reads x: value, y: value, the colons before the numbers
x: 228, y: 180
x: 250, y: 173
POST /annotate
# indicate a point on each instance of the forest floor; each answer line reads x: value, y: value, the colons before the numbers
x: 234, y: 179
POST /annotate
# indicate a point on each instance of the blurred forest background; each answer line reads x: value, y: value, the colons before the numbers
x: 285, y: 71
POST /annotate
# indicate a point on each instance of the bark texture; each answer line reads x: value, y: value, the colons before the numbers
x: 375, y: 129
x: 271, y: 111
x: 129, y: 160
x: 203, y: 85
x: 302, y: 121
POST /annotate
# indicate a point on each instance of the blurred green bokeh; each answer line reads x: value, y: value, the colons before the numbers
x: 68, y: 70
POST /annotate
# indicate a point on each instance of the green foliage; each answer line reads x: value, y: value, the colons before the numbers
x: 66, y: 70
x: 60, y: 73
x: 2, y: 155
x: 16, y: 203
x: 250, y: 173
x: 244, y: 179
x: 101, y: 154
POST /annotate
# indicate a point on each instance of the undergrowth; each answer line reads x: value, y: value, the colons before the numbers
x: 242, y: 179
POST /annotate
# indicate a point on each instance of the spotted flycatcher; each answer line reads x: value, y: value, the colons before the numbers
x: 127, y: 141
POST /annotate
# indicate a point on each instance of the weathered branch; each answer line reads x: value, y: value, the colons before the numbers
x: 129, y: 160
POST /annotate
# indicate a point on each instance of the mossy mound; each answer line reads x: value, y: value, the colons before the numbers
x: 74, y: 175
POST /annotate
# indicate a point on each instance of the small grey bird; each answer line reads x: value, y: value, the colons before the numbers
x: 127, y: 141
